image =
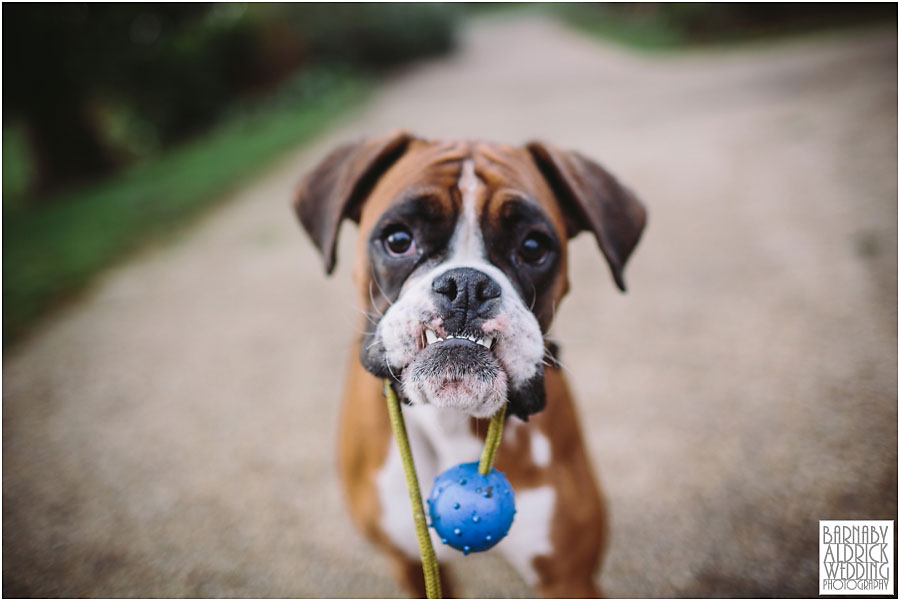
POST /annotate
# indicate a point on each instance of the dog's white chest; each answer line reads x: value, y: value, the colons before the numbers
x: 440, y: 439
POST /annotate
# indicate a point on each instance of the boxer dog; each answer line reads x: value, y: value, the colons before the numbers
x: 460, y: 265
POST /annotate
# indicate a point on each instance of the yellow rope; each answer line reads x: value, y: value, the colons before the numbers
x: 492, y: 441
x: 429, y: 561
x: 491, y: 444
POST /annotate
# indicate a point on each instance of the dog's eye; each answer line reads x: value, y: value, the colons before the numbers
x: 398, y: 241
x: 534, y: 248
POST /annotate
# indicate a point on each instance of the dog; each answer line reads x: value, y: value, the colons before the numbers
x: 460, y: 264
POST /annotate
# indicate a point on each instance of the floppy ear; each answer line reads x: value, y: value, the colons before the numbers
x: 593, y: 200
x: 337, y: 187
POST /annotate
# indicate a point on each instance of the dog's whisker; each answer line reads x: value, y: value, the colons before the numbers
x: 390, y: 371
x: 352, y: 323
x: 555, y: 362
x: 380, y: 289
x: 566, y: 369
x: 372, y: 299
x: 562, y: 366
x: 552, y: 319
x: 369, y: 317
x: 352, y: 305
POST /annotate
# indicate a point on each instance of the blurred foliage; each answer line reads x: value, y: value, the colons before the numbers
x: 97, y: 86
x: 17, y: 166
x: 377, y: 35
x: 654, y: 25
x: 123, y: 120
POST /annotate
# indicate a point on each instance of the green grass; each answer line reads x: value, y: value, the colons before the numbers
x: 52, y: 247
x: 651, y: 32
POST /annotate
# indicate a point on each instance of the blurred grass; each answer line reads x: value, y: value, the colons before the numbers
x: 653, y: 31
x: 51, y: 248
x: 681, y: 25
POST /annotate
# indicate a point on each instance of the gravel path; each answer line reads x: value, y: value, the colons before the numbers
x: 172, y: 432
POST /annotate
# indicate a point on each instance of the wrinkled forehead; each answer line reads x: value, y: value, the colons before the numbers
x: 434, y: 170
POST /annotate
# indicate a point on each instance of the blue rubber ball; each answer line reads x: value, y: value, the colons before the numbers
x: 471, y: 512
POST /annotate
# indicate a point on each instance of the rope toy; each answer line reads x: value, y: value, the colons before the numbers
x: 471, y: 505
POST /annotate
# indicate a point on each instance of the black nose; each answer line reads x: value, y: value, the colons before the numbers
x: 467, y: 292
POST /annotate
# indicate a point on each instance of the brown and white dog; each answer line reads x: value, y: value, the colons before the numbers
x: 460, y: 264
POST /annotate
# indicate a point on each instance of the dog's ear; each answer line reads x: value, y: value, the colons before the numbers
x: 594, y: 200
x: 337, y: 187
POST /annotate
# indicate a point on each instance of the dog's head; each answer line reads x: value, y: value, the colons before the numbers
x: 461, y: 258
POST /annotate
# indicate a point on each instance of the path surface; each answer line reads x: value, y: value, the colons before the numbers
x: 172, y: 433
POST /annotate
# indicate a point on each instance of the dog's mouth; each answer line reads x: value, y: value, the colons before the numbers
x: 457, y: 371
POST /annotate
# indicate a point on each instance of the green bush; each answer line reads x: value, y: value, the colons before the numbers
x: 374, y: 35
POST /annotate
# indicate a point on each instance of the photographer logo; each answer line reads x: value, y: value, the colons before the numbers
x: 856, y: 557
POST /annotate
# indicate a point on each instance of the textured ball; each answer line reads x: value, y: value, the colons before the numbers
x: 471, y: 512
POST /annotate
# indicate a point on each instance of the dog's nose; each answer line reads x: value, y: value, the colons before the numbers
x: 467, y: 291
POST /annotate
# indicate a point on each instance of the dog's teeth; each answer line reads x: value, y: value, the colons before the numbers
x: 485, y: 342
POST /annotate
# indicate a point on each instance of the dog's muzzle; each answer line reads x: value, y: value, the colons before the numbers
x: 456, y: 367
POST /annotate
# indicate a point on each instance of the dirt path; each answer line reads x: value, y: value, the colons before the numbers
x: 172, y: 433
